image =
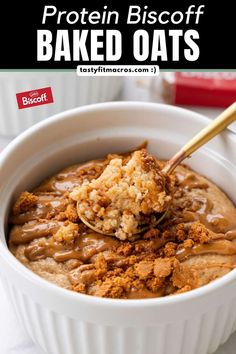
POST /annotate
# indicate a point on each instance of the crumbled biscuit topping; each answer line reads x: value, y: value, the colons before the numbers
x: 66, y: 233
x: 144, y: 266
x: 24, y: 203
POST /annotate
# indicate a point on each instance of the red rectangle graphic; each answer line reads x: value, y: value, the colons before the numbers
x: 33, y: 98
x: 211, y: 89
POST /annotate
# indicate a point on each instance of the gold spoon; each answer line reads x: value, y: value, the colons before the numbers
x: 206, y: 134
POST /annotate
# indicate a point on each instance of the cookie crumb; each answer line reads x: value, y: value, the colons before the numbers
x: 162, y: 267
x: 24, y: 203
x: 184, y: 275
x: 199, y: 233
x: 66, y: 233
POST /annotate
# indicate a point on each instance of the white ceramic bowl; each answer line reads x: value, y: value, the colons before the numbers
x: 61, y: 321
x: 68, y: 91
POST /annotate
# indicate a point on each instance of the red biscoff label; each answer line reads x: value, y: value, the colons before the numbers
x: 33, y: 98
x: 205, y: 88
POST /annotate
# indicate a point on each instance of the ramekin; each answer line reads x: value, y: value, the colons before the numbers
x: 62, y: 321
x: 68, y: 90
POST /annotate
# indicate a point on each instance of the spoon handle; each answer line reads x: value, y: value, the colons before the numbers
x: 206, y: 134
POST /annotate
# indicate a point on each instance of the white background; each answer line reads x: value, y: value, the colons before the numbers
x: 13, y: 339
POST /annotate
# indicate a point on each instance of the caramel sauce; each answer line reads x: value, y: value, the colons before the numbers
x: 85, y: 247
x: 72, y: 177
x: 46, y: 204
x: 91, y: 244
x: 223, y: 247
x: 191, y: 182
x: 33, y: 224
x: 33, y: 230
x: 214, y: 221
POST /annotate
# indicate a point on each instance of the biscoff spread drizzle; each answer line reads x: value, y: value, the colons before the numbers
x: 158, y: 263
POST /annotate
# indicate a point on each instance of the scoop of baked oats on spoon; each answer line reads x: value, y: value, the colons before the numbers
x: 128, y: 197
x: 133, y: 194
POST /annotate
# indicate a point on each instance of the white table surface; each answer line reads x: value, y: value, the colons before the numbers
x: 13, y: 339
